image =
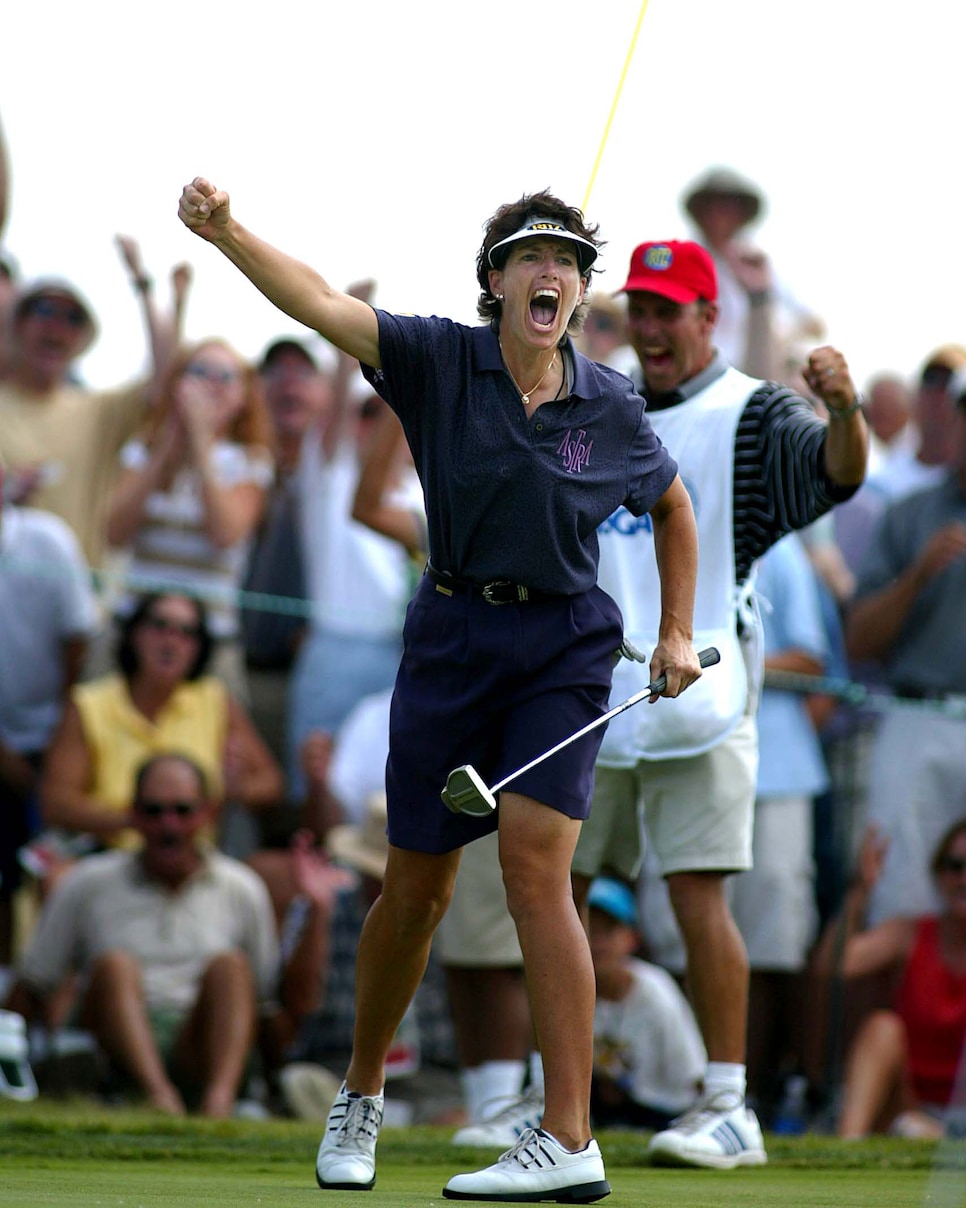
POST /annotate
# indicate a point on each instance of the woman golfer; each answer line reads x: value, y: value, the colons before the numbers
x: 523, y: 448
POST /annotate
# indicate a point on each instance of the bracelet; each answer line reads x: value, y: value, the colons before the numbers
x: 759, y: 297
x: 843, y: 412
x: 142, y: 284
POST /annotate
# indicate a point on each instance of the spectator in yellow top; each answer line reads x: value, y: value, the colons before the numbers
x: 159, y: 699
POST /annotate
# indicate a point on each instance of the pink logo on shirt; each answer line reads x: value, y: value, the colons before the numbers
x: 575, y: 450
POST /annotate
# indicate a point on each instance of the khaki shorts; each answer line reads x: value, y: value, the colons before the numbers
x: 611, y: 839
x: 698, y: 811
x: 477, y: 930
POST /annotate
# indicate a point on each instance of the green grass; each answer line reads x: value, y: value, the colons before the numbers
x: 69, y: 1155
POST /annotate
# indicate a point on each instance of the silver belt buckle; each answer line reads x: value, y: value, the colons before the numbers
x: 489, y: 588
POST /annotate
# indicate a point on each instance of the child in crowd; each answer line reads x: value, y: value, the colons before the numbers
x: 648, y: 1053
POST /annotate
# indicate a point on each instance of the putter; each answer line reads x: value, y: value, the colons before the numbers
x: 466, y: 791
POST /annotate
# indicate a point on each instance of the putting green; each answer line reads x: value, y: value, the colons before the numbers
x: 80, y: 1155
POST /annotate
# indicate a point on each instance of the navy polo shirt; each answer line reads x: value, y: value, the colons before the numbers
x: 509, y: 495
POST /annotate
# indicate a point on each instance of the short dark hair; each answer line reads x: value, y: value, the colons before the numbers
x: 125, y: 654
x: 283, y: 345
x: 508, y: 219
x: 147, y: 767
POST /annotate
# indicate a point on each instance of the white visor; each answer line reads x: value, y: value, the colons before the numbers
x: 538, y: 227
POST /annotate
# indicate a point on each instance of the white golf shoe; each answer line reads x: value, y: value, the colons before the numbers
x: 716, y: 1132
x: 537, y: 1168
x: 505, y: 1127
x: 347, y: 1155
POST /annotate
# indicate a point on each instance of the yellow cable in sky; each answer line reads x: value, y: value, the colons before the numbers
x: 613, y: 108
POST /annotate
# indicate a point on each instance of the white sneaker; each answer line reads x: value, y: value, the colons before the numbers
x: 536, y: 1168
x: 714, y: 1132
x: 347, y: 1155
x: 16, y: 1077
x: 505, y: 1127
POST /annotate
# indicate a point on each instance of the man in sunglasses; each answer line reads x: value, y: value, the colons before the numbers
x: 175, y: 945
x: 58, y: 440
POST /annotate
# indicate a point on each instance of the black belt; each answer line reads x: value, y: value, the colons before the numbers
x: 500, y: 591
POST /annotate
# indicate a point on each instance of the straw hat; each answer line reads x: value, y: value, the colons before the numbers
x: 723, y: 182
x: 57, y: 287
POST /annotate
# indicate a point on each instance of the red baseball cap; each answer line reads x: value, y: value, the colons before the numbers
x: 675, y: 269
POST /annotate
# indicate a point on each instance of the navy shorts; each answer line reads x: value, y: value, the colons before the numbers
x: 494, y: 686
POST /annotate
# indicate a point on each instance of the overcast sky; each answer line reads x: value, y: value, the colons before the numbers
x: 374, y: 139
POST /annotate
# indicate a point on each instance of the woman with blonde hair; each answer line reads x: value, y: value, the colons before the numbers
x: 192, y: 488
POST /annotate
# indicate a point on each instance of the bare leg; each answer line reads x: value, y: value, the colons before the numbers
x: 113, y: 1010
x: 218, y: 1035
x: 873, y: 1075
x: 717, y: 973
x: 393, y: 951
x: 536, y: 848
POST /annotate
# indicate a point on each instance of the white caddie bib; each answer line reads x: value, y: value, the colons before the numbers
x: 700, y: 435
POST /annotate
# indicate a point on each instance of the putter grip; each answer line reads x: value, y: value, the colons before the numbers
x: 707, y: 658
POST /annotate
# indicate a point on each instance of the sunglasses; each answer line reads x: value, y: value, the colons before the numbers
x: 301, y: 370
x: 165, y: 625
x: 47, y: 308
x: 956, y: 865
x: 158, y: 809
x: 209, y: 373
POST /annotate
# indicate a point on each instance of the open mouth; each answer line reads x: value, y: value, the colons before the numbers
x: 544, y: 306
x: 657, y: 358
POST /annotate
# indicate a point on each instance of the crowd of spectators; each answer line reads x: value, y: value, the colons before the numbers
x: 202, y: 595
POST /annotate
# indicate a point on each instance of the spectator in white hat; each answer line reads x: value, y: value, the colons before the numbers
x: 60, y: 441
x: 758, y: 313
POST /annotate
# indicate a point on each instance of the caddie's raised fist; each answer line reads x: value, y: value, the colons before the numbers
x: 828, y: 378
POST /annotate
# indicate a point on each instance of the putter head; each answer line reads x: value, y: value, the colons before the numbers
x: 466, y: 793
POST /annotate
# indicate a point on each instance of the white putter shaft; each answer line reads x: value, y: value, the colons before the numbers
x: 466, y: 791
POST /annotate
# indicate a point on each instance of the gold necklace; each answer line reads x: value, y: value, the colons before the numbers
x: 525, y: 394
